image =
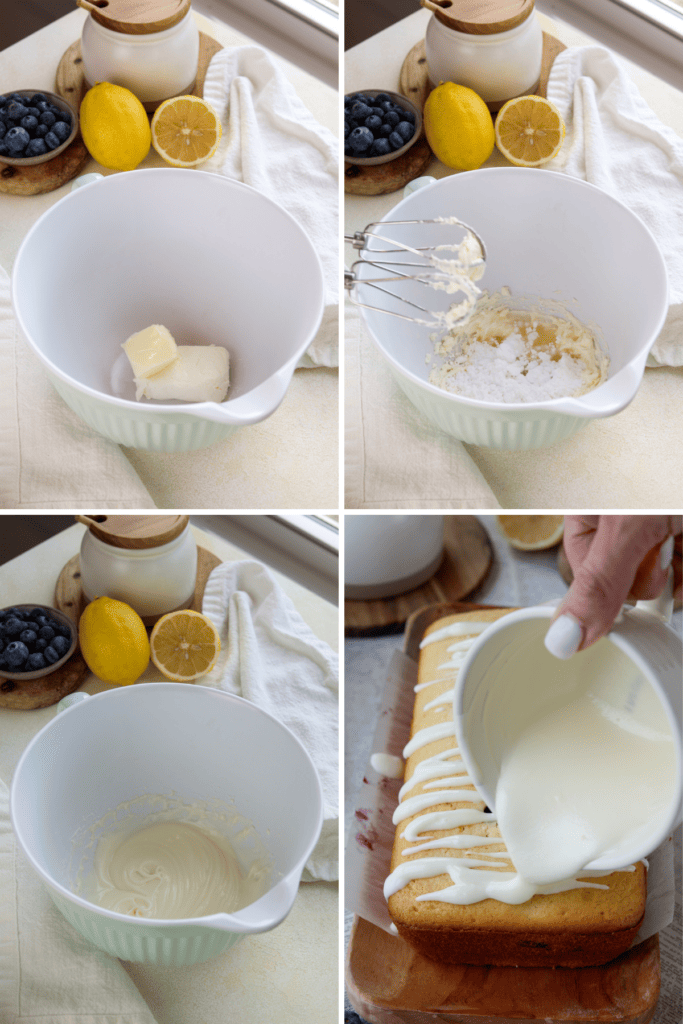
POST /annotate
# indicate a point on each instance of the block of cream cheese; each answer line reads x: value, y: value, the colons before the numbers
x: 151, y: 350
x: 201, y: 373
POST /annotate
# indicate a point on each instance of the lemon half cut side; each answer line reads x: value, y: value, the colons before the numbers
x: 529, y: 131
x: 186, y: 131
x: 531, y: 533
x: 184, y: 645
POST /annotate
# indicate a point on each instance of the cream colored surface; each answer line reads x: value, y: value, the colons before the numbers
x: 288, y: 461
x: 395, y: 459
x: 287, y: 975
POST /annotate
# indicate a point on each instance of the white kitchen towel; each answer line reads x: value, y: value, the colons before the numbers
x: 272, y: 142
x: 615, y: 141
x: 48, y: 972
x: 271, y: 657
x: 49, y: 458
x: 395, y: 458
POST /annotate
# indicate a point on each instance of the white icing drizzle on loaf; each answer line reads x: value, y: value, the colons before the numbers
x: 445, y: 775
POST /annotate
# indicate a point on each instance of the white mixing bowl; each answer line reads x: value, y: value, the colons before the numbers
x: 546, y: 235
x: 164, y: 739
x: 211, y: 259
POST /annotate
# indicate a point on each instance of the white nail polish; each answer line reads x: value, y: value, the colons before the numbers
x: 666, y: 553
x: 564, y: 637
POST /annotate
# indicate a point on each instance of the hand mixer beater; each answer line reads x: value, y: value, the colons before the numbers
x: 449, y: 267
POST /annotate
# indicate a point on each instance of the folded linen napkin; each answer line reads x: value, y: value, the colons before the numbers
x: 48, y: 973
x: 615, y: 141
x: 272, y: 142
x: 49, y: 458
x: 394, y: 457
x: 271, y: 657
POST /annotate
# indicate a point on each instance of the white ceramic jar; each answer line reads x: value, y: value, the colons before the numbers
x: 153, y: 65
x: 385, y: 555
x: 496, y: 65
x: 155, y: 578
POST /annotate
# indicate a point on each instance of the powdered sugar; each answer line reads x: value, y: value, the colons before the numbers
x: 513, y: 355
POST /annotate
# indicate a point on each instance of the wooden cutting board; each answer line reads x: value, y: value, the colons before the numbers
x: 69, y: 597
x: 389, y: 983
x: 467, y: 558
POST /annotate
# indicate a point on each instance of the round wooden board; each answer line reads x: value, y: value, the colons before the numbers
x: 467, y: 558
x: 383, y: 178
x: 414, y: 79
x: 70, y: 81
x: 24, y: 695
x: 69, y: 597
x: 39, y: 178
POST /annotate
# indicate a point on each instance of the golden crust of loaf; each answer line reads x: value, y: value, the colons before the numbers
x: 580, y: 927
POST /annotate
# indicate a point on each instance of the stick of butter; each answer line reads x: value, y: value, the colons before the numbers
x: 201, y: 373
x: 151, y: 350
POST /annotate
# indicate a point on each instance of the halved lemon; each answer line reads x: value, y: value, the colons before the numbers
x: 529, y: 131
x: 531, y: 533
x: 184, y: 645
x: 186, y: 131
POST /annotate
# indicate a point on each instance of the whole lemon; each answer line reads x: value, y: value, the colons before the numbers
x: 115, y: 127
x: 113, y: 641
x: 458, y: 126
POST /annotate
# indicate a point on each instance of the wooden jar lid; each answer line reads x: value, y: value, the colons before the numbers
x: 136, y: 17
x: 135, y: 531
x: 480, y: 17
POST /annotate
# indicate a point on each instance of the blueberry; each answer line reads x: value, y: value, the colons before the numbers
x: 47, y: 117
x: 51, y: 141
x: 392, y: 118
x: 361, y: 139
x: 16, y: 612
x: 378, y: 110
x: 380, y: 147
x: 382, y: 97
x: 28, y: 636
x: 396, y: 141
x: 16, y: 654
x: 3, y: 129
x: 30, y: 123
x: 36, y: 147
x: 40, y: 644
x: 51, y: 655
x: 61, y: 645
x: 34, y: 112
x: 12, y: 626
x: 405, y: 130
x: 16, y: 96
x: 46, y: 633
x: 42, y: 619
x: 35, y: 662
x: 408, y: 115
x: 16, y: 110
x: 3, y: 101
x: 41, y: 131
x: 41, y: 104
x: 62, y: 630
x: 38, y: 97
x: 373, y: 123
x: 362, y: 98
x: 62, y: 130
x: 360, y: 110
x: 17, y: 139
x: 385, y: 131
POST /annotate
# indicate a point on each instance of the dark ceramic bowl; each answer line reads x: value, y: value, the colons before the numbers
x: 29, y: 161
x: 370, y: 161
x: 54, y: 614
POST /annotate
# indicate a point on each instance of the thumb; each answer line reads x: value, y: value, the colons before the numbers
x: 603, y: 580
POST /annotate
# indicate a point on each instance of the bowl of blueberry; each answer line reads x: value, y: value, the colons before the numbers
x: 379, y: 126
x: 34, y: 640
x: 34, y: 127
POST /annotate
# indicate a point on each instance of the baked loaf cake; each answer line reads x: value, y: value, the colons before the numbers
x: 586, y: 925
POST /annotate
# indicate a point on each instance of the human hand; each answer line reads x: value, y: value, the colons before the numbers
x: 612, y: 558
